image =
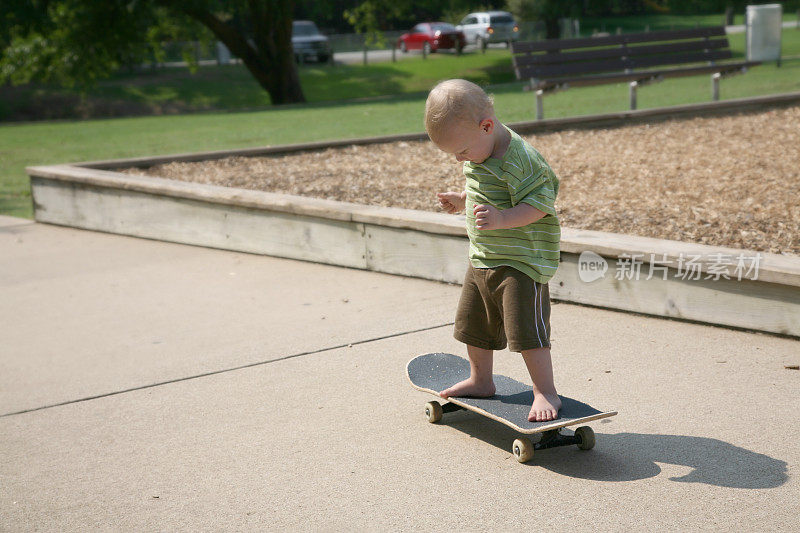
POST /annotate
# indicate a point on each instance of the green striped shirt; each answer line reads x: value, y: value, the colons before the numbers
x: 522, y: 175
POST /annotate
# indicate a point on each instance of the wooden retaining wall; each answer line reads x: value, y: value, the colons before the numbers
x: 420, y: 244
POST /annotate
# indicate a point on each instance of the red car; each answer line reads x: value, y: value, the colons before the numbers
x: 432, y: 36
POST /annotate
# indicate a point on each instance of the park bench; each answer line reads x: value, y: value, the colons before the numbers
x: 637, y: 58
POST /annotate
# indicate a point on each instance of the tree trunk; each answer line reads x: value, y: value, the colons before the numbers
x: 551, y: 28
x: 272, y: 28
x: 268, y: 56
x: 728, y: 15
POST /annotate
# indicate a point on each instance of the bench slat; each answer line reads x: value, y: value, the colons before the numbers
x: 675, y: 59
x: 616, y: 65
x: 519, y: 47
x: 604, y: 53
x: 599, y: 79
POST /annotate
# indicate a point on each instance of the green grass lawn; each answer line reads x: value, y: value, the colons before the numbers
x: 232, y: 87
x: 330, y: 113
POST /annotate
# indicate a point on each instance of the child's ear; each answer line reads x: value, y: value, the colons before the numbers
x: 487, y: 125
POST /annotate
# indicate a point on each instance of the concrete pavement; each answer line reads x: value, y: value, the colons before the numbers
x: 160, y: 386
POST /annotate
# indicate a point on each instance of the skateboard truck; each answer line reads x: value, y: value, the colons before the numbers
x: 524, y: 447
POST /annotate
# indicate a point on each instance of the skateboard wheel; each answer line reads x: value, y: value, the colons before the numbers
x: 586, y: 434
x: 433, y: 412
x: 523, y: 450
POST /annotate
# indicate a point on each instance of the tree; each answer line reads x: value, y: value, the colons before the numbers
x: 370, y: 17
x: 548, y: 11
x: 77, y: 42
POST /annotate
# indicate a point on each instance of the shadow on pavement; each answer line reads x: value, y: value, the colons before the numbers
x: 634, y: 456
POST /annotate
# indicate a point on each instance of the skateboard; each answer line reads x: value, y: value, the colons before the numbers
x: 510, y: 405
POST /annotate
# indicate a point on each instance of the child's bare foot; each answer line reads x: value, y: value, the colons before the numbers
x: 545, y: 407
x: 469, y: 387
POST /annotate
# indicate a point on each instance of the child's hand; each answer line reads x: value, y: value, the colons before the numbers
x: 452, y: 202
x: 488, y: 217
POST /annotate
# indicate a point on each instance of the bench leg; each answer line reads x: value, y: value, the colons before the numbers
x: 632, y: 91
x: 715, y: 86
x: 539, y: 104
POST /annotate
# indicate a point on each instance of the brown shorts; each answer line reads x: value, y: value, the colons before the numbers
x: 500, y: 306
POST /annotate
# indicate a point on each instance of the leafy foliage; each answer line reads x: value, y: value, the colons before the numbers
x: 73, y: 42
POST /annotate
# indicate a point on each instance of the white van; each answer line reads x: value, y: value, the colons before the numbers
x: 489, y: 27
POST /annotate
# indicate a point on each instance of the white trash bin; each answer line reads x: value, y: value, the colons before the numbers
x: 763, y: 24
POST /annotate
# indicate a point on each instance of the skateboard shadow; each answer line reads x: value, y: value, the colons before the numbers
x: 634, y: 456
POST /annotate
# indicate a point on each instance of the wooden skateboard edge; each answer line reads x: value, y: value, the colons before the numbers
x: 555, y: 425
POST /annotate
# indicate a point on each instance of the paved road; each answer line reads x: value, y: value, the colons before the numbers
x: 382, y: 56
x: 167, y: 387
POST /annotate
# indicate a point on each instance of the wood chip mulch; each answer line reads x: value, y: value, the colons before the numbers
x: 728, y: 181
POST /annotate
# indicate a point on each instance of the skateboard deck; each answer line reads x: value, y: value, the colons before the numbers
x: 510, y: 404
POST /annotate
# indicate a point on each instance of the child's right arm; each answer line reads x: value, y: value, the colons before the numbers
x: 452, y: 202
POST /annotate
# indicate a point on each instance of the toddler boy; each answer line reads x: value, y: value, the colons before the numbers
x: 513, y: 241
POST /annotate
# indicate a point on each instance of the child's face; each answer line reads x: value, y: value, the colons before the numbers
x: 468, y: 142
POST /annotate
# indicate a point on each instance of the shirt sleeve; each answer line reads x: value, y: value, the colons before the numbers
x: 530, y: 180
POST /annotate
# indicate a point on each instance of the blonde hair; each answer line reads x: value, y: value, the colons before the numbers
x: 453, y: 101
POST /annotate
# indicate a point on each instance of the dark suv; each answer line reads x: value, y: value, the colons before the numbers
x: 309, y: 43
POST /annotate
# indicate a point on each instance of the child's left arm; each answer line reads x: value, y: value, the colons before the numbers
x: 488, y: 217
